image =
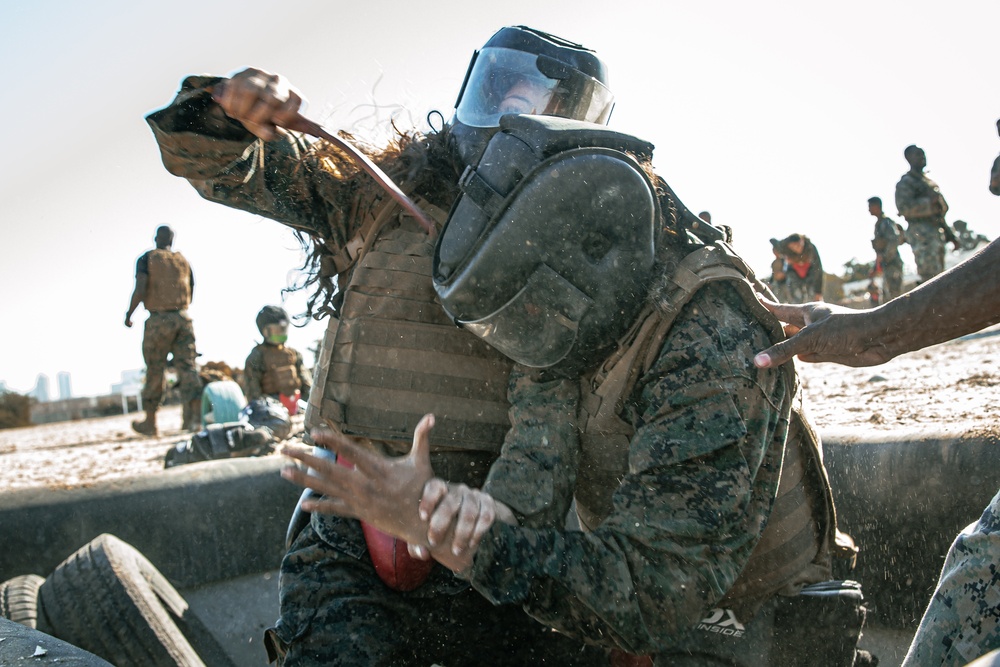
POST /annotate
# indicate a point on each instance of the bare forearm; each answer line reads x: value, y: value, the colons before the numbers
x: 960, y: 301
x: 995, y: 177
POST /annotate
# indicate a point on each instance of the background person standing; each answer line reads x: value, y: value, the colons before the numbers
x: 164, y: 284
x: 920, y: 201
x: 888, y: 237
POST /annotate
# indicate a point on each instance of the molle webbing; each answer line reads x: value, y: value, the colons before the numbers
x: 796, y: 544
x: 169, y: 286
x: 397, y: 356
x: 280, y: 375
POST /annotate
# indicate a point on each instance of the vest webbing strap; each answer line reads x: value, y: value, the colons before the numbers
x: 793, y: 549
x: 396, y: 355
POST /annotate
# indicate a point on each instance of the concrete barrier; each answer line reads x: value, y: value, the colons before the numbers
x: 903, y: 496
x: 196, y: 523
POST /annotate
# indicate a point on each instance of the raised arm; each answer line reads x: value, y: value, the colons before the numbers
x: 227, y: 144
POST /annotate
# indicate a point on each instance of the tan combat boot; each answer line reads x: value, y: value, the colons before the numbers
x: 147, y: 427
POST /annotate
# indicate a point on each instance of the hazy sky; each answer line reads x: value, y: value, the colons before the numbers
x: 778, y: 117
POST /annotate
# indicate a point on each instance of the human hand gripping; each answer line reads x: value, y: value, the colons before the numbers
x: 381, y: 491
x: 823, y: 332
x: 261, y: 101
x: 458, y: 518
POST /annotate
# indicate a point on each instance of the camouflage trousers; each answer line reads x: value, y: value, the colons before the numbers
x: 927, y: 242
x: 169, y: 332
x: 892, y: 280
x: 962, y: 621
x: 334, y: 610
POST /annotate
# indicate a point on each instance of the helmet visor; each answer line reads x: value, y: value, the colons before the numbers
x: 507, y: 81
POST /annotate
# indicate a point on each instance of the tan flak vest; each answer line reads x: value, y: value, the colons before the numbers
x: 394, y: 355
x: 280, y: 373
x: 169, y: 285
x: 796, y: 546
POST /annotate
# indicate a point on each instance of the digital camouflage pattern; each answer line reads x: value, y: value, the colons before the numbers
x: 886, y: 242
x: 915, y: 199
x: 169, y: 332
x: 704, y: 468
x: 322, y: 620
x: 962, y: 621
x: 706, y: 458
x: 343, y: 615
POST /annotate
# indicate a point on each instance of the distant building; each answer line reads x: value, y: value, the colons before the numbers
x: 65, y: 390
x: 41, y: 390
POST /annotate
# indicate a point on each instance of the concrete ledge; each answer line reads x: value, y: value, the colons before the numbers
x: 197, y: 523
x: 904, y: 496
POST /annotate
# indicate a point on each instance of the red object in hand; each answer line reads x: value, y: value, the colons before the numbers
x: 393, y: 563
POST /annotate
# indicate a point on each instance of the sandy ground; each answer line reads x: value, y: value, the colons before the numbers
x: 950, y: 384
x: 80, y: 453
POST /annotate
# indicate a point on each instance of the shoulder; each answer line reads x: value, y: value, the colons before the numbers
x: 256, y: 353
x: 142, y: 264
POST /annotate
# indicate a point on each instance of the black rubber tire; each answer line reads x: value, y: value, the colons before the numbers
x: 19, y: 599
x: 109, y: 599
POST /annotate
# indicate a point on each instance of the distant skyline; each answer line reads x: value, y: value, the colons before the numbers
x: 777, y: 117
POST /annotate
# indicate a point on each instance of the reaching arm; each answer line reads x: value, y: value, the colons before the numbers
x: 285, y: 178
x: 964, y: 299
x: 995, y: 177
x: 138, y: 295
x: 253, y: 371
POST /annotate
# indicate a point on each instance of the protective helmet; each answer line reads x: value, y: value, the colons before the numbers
x: 526, y: 71
x: 272, y: 322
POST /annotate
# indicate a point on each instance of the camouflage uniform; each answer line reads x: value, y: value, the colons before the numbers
x: 803, y: 272
x: 334, y: 610
x: 704, y: 464
x: 915, y: 194
x: 888, y: 237
x: 707, y: 452
x: 256, y: 370
x: 962, y: 621
x: 168, y: 332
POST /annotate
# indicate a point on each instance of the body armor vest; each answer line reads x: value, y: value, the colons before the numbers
x: 280, y: 373
x: 394, y: 355
x: 796, y: 545
x: 169, y: 286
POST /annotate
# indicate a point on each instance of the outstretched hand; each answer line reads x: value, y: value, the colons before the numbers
x: 381, y: 491
x: 823, y: 332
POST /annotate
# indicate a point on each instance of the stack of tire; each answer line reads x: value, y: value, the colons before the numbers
x: 108, y: 599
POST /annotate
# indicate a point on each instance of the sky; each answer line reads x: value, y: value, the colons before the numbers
x: 778, y: 117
